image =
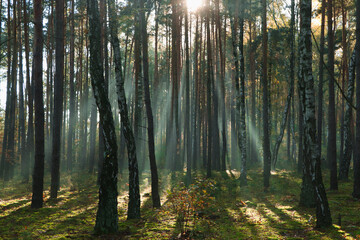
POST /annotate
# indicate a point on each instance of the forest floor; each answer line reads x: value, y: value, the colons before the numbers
x: 207, y: 209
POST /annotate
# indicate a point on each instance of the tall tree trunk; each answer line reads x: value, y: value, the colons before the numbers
x: 38, y: 176
x: 253, y: 46
x: 266, y: 137
x: 222, y: 84
x: 150, y: 119
x: 311, y: 151
x: 187, y: 100
x: 58, y: 99
x: 9, y: 164
x: 71, y: 132
x: 106, y: 217
x: 29, y: 86
x: 292, y: 79
x: 331, y: 148
x: 241, y: 94
x: 22, y: 129
x: 321, y: 76
x: 344, y: 76
x: 348, y: 121
x: 210, y: 75
x: 8, y: 98
x: 134, y: 193
x: 356, y: 192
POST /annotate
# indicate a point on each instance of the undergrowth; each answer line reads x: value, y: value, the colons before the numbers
x: 214, y: 208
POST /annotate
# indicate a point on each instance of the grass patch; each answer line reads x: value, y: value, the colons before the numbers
x: 234, y: 212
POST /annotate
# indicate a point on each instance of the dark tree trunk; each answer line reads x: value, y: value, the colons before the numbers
x: 106, y: 217
x: 187, y: 100
x: 356, y: 192
x: 134, y: 193
x: 71, y: 133
x: 8, y: 97
x: 348, y: 121
x: 344, y: 77
x: 321, y: 76
x: 38, y: 176
x: 93, y: 124
x: 210, y: 75
x: 252, y: 35
x: 29, y: 86
x: 331, y: 148
x: 58, y: 99
x: 266, y: 137
x: 150, y: 119
x: 22, y: 130
x: 241, y: 94
x: 10, y: 162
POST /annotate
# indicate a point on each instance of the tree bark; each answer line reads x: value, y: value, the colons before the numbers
x: 266, y: 137
x: 71, y: 132
x: 134, y: 192
x: 106, y: 217
x: 38, y: 176
x: 312, y: 161
x: 150, y: 119
x: 241, y: 94
x: 58, y: 99
x: 356, y: 192
x: 331, y: 148
x: 321, y: 76
x: 348, y: 121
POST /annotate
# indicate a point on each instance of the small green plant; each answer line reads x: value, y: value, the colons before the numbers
x: 191, y: 203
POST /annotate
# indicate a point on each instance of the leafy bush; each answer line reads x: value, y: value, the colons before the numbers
x: 191, y: 203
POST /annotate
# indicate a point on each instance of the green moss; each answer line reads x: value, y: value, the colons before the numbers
x: 236, y: 213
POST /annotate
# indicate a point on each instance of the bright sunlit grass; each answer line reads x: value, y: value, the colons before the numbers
x: 194, y: 5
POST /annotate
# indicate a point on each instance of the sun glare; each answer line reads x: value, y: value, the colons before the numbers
x: 194, y: 5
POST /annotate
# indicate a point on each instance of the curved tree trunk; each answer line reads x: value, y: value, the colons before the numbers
x: 134, y: 192
x: 106, y: 217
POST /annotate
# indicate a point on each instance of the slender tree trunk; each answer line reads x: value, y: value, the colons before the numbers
x: 331, y: 155
x: 266, y: 137
x: 150, y: 119
x: 106, y: 217
x: 356, y: 192
x: 210, y: 75
x: 252, y: 35
x: 348, y: 121
x: 71, y: 133
x: 30, y: 130
x: 134, y: 193
x: 8, y: 98
x: 58, y: 99
x: 38, y: 176
x: 22, y: 129
x: 321, y: 76
x: 10, y: 162
x: 187, y: 100
x: 241, y: 94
